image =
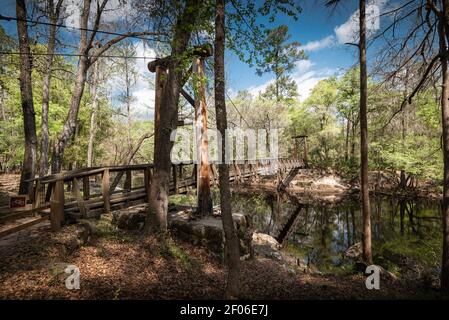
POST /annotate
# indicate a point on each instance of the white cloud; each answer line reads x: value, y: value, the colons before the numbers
x: 143, y: 106
x: 305, y: 76
x: 348, y: 31
x: 318, y: 44
x: 256, y: 90
x: 114, y: 11
x: 306, y: 81
x: 303, y: 65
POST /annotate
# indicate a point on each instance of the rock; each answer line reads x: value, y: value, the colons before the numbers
x: 391, y: 276
x: 84, y: 232
x: 208, y: 231
x: 354, y: 251
x: 276, y: 255
x: 263, y: 239
x: 243, y: 225
x: 265, y: 245
x: 385, y: 274
x: 129, y: 219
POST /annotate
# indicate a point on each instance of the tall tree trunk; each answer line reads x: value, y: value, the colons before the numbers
x: 366, y: 210
x: 403, y: 181
x: 26, y: 93
x: 69, y: 127
x: 232, y: 241
x: 353, y: 135
x: 445, y: 123
x: 348, y: 128
x: 54, y: 15
x: 2, y: 102
x: 128, y: 106
x: 159, y: 189
x: 93, y: 115
x: 70, y: 124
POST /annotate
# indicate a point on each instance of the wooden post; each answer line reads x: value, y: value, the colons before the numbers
x: 86, y: 188
x: 37, y: 194
x: 175, y: 179
x: 203, y: 181
x: 181, y: 175
x: 57, y: 205
x: 161, y: 75
x: 238, y: 174
x: 79, y: 200
x: 147, y: 181
x: 105, y: 191
x: 128, y: 181
x: 306, y: 161
x: 295, y: 148
x: 49, y: 191
x: 194, y: 173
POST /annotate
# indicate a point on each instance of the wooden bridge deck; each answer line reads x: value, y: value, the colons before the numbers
x: 89, y: 192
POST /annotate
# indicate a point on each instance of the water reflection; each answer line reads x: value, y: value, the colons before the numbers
x: 320, y: 233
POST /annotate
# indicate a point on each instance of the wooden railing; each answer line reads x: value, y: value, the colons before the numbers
x: 89, y: 192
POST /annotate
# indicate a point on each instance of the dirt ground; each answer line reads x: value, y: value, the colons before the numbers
x: 115, y: 264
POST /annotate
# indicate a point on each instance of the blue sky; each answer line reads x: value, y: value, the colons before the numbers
x: 322, y: 32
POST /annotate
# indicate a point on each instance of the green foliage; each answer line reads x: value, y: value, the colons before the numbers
x: 246, y: 30
x: 279, y: 57
x: 410, y: 141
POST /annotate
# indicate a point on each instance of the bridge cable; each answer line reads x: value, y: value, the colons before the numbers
x: 9, y: 18
x: 74, y: 55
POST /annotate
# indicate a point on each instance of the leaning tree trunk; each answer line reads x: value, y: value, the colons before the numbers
x: 70, y: 124
x: 366, y: 210
x: 445, y: 124
x: 231, y: 239
x: 26, y: 93
x: 159, y: 189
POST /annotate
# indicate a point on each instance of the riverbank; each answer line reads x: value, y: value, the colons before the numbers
x: 330, y: 187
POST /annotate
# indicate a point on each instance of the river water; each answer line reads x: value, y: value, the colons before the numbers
x: 406, y: 234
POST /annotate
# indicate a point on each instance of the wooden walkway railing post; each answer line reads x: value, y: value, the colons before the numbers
x: 128, y: 181
x: 175, y: 179
x: 79, y: 200
x: 86, y: 188
x: 105, y: 191
x: 57, y: 205
x: 147, y: 181
x: 86, y: 205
